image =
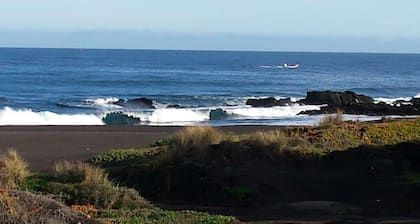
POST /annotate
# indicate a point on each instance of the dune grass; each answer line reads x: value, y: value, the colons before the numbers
x: 83, y: 184
x: 13, y: 169
x: 196, y: 138
x: 331, y: 120
x: 77, y: 172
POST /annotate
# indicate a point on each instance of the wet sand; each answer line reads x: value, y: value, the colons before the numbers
x: 42, y: 146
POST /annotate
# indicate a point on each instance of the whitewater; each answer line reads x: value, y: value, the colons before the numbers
x: 83, y: 87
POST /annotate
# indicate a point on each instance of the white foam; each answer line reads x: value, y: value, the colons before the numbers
x: 10, y: 116
x: 170, y: 115
x: 104, y: 102
x: 390, y: 101
x: 270, y: 112
x: 417, y: 95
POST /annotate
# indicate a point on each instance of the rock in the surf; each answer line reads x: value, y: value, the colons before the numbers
x: 218, y: 114
x: 119, y: 118
x: 268, y: 102
x: 174, y: 106
x: 335, y: 99
x: 351, y: 103
x: 138, y: 102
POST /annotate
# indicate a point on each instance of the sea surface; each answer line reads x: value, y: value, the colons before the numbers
x: 79, y: 86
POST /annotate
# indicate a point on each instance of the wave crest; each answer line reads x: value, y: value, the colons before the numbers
x: 10, y: 116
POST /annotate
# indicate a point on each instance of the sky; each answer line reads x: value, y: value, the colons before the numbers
x: 321, y: 25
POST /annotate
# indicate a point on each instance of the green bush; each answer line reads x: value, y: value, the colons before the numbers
x: 123, y: 154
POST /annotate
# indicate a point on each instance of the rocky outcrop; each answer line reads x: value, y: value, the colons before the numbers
x: 415, y: 102
x: 119, y: 118
x: 335, y: 99
x: 138, y: 102
x: 351, y: 103
x: 268, y: 102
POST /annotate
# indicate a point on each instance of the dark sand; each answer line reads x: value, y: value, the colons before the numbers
x: 42, y: 146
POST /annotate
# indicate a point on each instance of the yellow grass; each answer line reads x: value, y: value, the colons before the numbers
x: 77, y: 172
x: 13, y: 169
x: 191, y: 138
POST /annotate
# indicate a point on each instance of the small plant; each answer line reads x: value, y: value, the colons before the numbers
x: 82, y: 183
x: 264, y: 138
x: 77, y: 172
x: 196, y: 138
x: 331, y: 120
x: 13, y: 169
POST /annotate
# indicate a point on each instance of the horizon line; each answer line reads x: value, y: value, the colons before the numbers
x: 211, y: 50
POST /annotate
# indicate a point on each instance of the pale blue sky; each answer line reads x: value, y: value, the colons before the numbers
x: 382, y: 20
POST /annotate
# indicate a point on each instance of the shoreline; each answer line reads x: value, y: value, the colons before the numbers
x: 42, y: 146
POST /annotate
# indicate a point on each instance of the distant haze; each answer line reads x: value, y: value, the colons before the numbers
x: 274, y: 25
x: 183, y: 41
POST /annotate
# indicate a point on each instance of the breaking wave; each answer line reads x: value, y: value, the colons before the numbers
x: 168, y: 115
x: 392, y: 101
x: 270, y: 112
x: 10, y: 116
x: 104, y: 102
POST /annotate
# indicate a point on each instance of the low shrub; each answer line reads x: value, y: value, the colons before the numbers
x: 129, y: 198
x: 77, y: 172
x: 124, y: 154
x: 196, y: 138
x: 83, y: 184
x: 13, y: 169
x: 156, y: 215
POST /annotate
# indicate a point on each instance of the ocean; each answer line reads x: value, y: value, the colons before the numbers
x: 80, y: 86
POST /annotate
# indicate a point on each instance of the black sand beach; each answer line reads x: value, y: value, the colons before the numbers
x: 42, y: 146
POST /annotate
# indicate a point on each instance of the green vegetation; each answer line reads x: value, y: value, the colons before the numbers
x: 203, y: 165
x: 87, y: 189
x: 374, y: 167
x: 84, y: 184
x: 156, y: 215
x: 124, y: 154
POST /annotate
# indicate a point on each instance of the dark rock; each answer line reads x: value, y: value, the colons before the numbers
x: 218, y: 114
x: 138, y: 102
x: 119, y: 118
x: 175, y: 106
x: 352, y: 103
x: 335, y: 99
x: 268, y: 102
x: 415, y: 101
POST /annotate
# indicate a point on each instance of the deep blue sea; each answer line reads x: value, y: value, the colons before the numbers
x: 79, y: 86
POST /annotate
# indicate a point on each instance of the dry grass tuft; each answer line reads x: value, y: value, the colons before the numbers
x: 13, y: 169
x: 277, y: 143
x: 84, y: 184
x: 275, y: 137
x: 77, y: 172
x: 331, y: 120
x: 196, y: 138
